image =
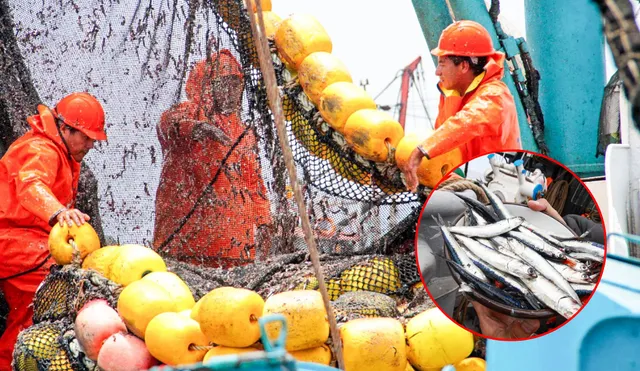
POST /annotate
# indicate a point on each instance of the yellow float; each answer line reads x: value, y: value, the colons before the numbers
x: 318, y: 71
x: 298, y: 36
x: 340, y: 100
x: 436, y: 341
x: 371, y: 132
x: 430, y: 172
x: 85, y: 238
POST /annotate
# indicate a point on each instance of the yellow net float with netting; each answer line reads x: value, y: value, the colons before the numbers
x: 340, y: 100
x: 431, y: 171
x: 319, y: 70
x: 298, y: 36
x: 371, y: 133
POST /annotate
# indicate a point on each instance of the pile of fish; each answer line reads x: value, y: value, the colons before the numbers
x: 518, y: 264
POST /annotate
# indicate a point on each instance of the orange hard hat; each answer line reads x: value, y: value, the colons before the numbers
x: 82, y: 111
x: 222, y: 63
x: 464, y: 38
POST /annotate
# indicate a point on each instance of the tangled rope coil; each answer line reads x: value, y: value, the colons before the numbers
x: 461, y: 184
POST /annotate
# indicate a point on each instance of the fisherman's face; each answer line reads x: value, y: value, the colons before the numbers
x: 450, y: 75
x: 227, y: 94
x: 79, y: 143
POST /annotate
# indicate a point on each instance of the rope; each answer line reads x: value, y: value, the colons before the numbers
x: 461, y: 184
x: 275, y: 103
x: 557, y: 194
x: 451, y: 13
x: 77, y: 258
x: 200, y: 347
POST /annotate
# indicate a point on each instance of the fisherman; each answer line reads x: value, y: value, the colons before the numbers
x: 476, y: 113
x: 211, y: 204
x: 39, y: 182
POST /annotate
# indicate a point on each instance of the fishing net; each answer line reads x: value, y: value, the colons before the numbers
x: 363, y: 286
x: 193, y: 166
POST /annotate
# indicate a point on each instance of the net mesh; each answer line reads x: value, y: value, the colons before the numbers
x: 193, y: 167
x: 193, y: 163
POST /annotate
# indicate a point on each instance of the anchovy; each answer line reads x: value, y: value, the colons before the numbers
x: 586, y: 256
x: 506, y: 279
x: 481, y: 209
x: 500, y: 261
x: 571, y: 275
x: 500, y: 244
x: 489, y: 230
x: 584, y: 286
x: 541, y: 265
x: 486, y: 287
x: 585, y: 247
x: 538, y: 244
x: 541, y: 233
x: 552, y: 296
x: 457, y: 252
x: 495, y: 202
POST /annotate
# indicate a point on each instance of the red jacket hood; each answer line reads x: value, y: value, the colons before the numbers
x: 45, y: 124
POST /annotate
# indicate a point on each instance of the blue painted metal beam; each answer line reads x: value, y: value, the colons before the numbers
x: 567, y: 46
x: 434, y: 17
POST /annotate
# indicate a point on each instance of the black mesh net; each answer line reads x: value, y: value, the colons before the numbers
x: 192, y: 165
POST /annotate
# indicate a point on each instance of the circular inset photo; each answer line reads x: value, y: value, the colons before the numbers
x: 514, y: 248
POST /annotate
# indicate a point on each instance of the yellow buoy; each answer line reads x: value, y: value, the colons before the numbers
x: 169, y: 338
x: 176, y: 287
x: 318, y: 71
x: 341, y: 99
x: 140, y: 301
x: 134, y: 262
x: 101, y: 259
x: 430, y: 172
x: 471, y: 364
x: 373, y: 344
x: 271, y: 22
x: 436, y: 341
x: 221, y: 350
x: 321, y: 355
x: 368, y: 131
x: 229, y: 316
x: 307, y: 321
x: 85, y: 237
x: 298, y: 36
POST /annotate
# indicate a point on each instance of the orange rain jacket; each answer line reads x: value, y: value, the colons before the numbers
x: 483, y: 120
x: 221, y: 231
x: 37, y: 179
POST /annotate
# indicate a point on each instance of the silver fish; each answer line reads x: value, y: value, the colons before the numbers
x: 584, y: 286
x: 584, y: 246
x: 530, y: 239
x: 497, y: 260
x: 586, y: 256
x: 542, y: 265
x: 507, y: 279
x: 496, y: 202
x: 465, y: 262
x: 489, y: 230
x: 571, y: 275
x: 500, y: 244
x: 553, y: 297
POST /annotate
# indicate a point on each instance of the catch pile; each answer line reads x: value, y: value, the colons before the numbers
x: 517, y: 264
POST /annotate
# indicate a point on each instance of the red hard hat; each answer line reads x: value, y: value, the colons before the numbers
x: 464, y: 38
x: 82, y: 111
